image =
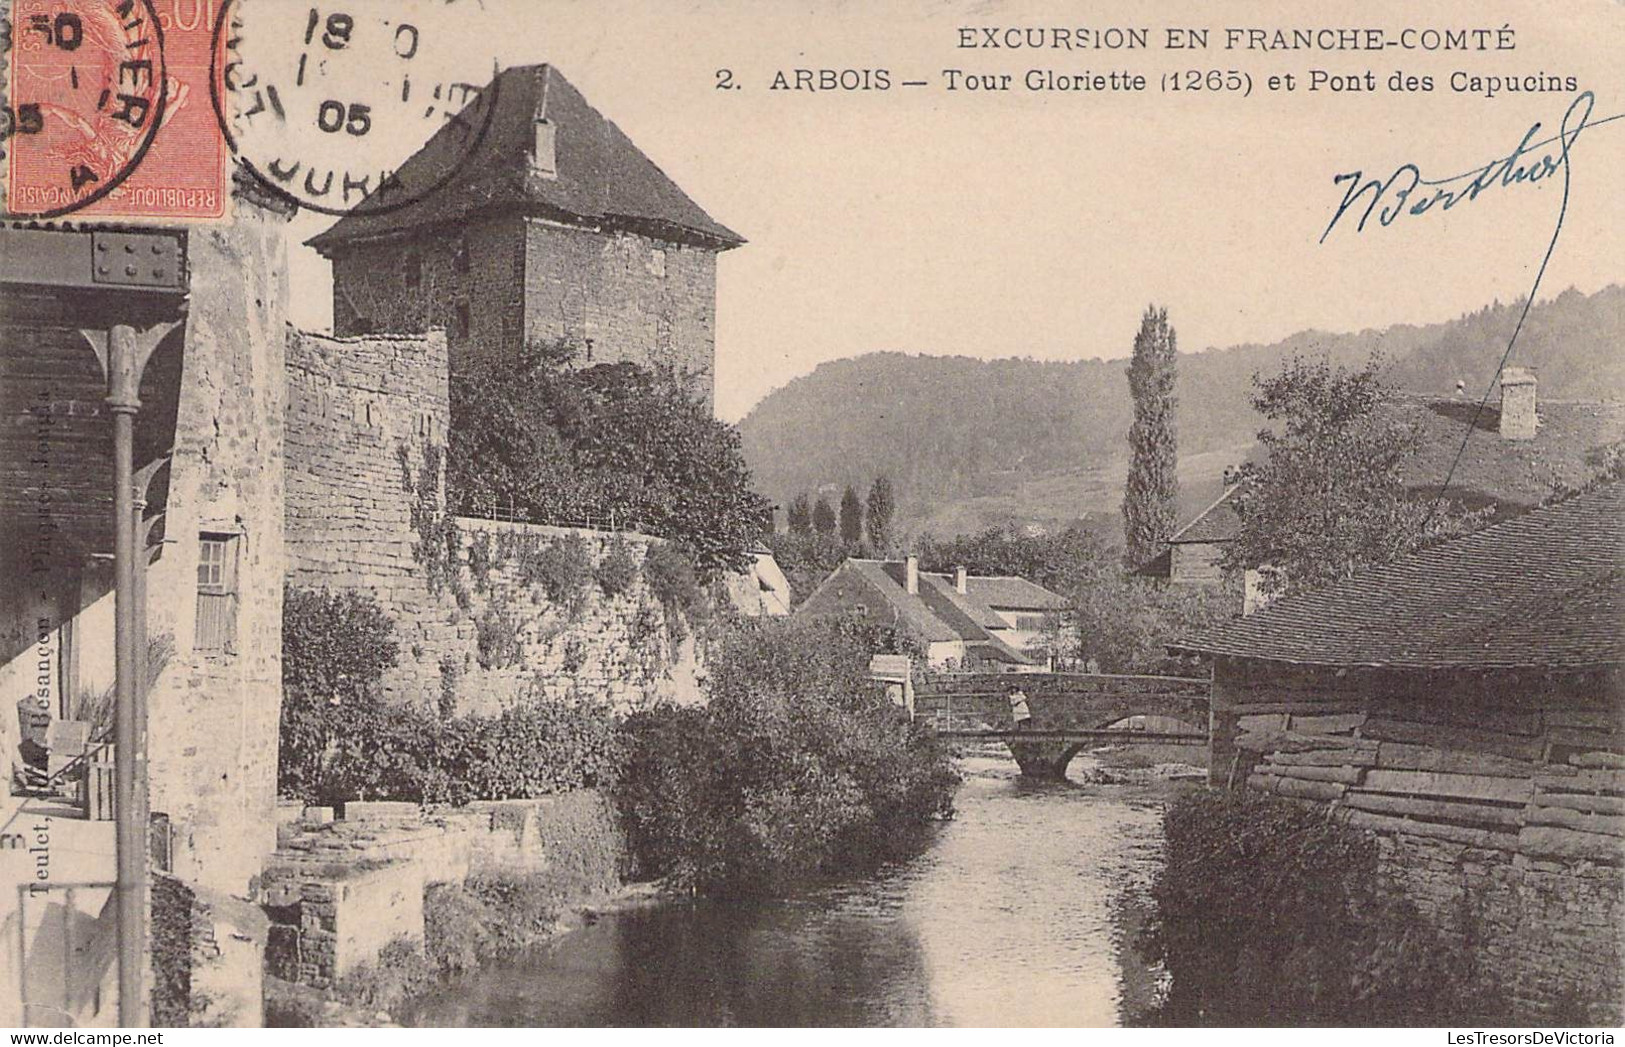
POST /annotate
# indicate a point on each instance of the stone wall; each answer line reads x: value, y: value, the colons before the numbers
x: 1547, y: 929
x: 1498, y: 801
x: 366, y: 425
x: 365, y: 416
x: 624, y: 297
x: 498, y: 282
x: 338, y: 891
x: 214, y: 713
x: 474, y: 271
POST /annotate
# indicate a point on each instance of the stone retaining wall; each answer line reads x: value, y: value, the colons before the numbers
x: 1552, y: 931
x: 366, y: 438
x: 1498, y: 802
x: 338, y: 890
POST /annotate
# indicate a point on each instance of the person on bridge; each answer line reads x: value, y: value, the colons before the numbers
x: 1018, y: 707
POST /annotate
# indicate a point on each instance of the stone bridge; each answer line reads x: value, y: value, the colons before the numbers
x: 1069, y: 711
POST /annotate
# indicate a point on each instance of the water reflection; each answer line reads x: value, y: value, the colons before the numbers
x: 1023, y: 911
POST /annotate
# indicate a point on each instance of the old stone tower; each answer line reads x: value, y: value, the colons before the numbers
x: 555, y: 226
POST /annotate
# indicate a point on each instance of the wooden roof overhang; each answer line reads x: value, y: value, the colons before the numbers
x: 56, y: 462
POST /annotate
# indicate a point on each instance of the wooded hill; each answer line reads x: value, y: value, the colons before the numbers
x: 972, y: 443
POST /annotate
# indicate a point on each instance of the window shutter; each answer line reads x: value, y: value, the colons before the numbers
x: 217, y: 593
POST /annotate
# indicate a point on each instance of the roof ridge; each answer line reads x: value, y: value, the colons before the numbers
x: 601, y: 173
x: 1533, y: 580
x: 1193, y: 521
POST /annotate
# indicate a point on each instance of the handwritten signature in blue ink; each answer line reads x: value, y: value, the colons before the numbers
x: 1406, y: 192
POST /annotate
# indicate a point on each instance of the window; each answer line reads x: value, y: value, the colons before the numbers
x: 459, y: 320
x: 412, y: 270
x: 216, y: 592
x: 657, y: 262
x: 459, y: 260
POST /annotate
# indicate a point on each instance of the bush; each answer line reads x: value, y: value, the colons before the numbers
x: 618, y: 570
x: 799, y: 766
x: 496, y: 636
x: 563, y: 569
x: 400, y: 972
x: 670, y: 574
x: 1266, y: 907
x: 335, y: 648
x: 533, y: 749
x: 562, y: 442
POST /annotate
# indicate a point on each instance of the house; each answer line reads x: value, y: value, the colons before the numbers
x: 1195, y: 553
x: 208, y: 455
x: 1519, y: 453
x: 761, y: 590
x: 961, y: 620
x: 1466, y: 705
x: 268, y: 456
x: 558, y: 227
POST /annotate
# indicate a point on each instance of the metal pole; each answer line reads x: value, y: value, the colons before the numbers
x: 124, y: 353
x: 132, y: 867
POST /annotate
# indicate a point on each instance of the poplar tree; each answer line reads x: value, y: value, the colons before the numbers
x: 882, y: 506
x: 851, y: 517
x: 823, y: 517
x: 800, y: 515
x: 1148, y: 501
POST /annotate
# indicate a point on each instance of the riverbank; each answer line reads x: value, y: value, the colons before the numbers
x: 384, y: 993
x: 1025, y: 909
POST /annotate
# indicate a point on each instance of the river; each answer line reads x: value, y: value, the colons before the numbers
x: 1024, y: 910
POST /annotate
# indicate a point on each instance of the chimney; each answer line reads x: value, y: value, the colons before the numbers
x: 1517, y: 404
x: 959, y: 580
x: 911, y: 575
x: 544, y: 151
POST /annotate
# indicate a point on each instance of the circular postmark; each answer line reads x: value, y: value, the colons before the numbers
x: 353, y: 107
x: 86, y: 100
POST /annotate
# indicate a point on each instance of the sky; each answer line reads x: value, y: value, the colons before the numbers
x: 1041, y: 224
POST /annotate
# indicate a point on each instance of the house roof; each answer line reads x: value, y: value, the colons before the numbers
x: 938, y: 613
x: 1219, y: 522
x: 912, y: 612
x: 1492, y: 472
x: 1013, y: 593
x: 602, y: 179
x: 1542, y: 590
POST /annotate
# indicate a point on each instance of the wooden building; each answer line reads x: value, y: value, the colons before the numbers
x: 1465, y: 704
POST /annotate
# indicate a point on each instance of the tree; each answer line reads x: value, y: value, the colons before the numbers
x: 823, y: 517
x: 799, y: 515
x: 806, y: 560
x: 882, y: 506
x: 1148, y: 501
x: 335, y: 650
x: 1060, y: 562
x: 1331, y: 498
x: 560, y: 444
x: 799, y: 766
x: 1124, y: 624
x: 851, y: 517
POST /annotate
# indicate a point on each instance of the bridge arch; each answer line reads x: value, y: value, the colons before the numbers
x: 1070, y: 711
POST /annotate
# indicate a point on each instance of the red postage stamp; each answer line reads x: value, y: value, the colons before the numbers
x: 108, y: 102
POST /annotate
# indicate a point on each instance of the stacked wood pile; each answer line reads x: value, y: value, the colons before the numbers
x: 1546, y: 783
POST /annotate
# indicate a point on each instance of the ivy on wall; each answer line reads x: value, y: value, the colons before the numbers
x: 439, y: 540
